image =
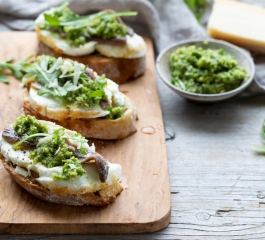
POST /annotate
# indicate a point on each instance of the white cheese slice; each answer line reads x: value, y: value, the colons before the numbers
x: 88, y: 181
x: 19, y: 157
x: 112, y: 91
x: 238, y: 23
x: 53, y: 108
x: 21, y: 171
x: 135, y: 47
x: 51, y: 39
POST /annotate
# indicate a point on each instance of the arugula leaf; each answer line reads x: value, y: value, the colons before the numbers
x: 3, y: 78
x: 43, y: 76
x: 82, y: 21
x: 46, y: 90
x: 52, y: 20
x: 18, y: 69
x: 49, y: 79
x: 56, y: 92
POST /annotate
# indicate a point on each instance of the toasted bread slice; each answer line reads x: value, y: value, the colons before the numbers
x: 102, y: 41
x: 33, y: 180
x: 92, y: 105
x: 99, y: 128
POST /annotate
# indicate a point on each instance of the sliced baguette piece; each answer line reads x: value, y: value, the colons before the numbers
x: 98, y: 128
x: 120, y: 58
x: 101, y: 195
x: 120, y: 70
x: 92, y: 120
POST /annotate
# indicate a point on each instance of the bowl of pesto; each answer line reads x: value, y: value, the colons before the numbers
x: 205, y: 70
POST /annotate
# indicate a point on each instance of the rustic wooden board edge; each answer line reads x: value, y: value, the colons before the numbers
x: 7, y: 228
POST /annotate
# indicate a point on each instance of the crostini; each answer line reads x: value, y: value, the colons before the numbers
x: 101, y: 40
x: 76, y: 97
x: 57, y: 165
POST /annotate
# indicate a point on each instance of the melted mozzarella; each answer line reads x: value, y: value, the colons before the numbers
x: 18, y: 157
x: 51, y: 39
x: 135, y: 47
x: 21, y: 171
x: 113, y: 92
x: 53, y: 108
x: 90, y: 180
x: 87, y: 182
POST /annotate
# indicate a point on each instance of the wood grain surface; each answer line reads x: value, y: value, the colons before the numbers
x: 217, y: 178
x: 143, y: 207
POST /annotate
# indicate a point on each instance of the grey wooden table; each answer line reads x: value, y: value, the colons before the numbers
x: 217, y: 178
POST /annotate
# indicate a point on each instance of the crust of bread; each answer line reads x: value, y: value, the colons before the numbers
x: 119, y: 70
x: 98, y: 128
x: 101, y: 198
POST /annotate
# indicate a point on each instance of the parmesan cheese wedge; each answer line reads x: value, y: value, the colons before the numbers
x: 239, y: 23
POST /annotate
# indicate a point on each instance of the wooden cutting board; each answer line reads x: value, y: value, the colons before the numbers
x: 144, y: 206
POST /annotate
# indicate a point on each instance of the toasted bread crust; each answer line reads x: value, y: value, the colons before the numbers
x: 95, y: 127
x: 119, y: 70
x: 103, y: 198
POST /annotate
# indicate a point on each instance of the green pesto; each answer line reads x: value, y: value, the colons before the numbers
x: 116, y: 112
x: 56, y: 153
x: 205, y: 71
x: 99, y: 25
x: 53, y: 153
x: 71, y: 169
x: 90, y: 94
x: 28, y: 125
x: 106, y: 28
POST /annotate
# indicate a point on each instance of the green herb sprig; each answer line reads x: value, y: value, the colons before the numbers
x: 197, y: 7
x: 18, y: 69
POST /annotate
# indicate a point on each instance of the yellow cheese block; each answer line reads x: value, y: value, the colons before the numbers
x: 239, y: 23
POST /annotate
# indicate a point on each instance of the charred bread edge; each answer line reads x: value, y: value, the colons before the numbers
x: 105, y: 129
